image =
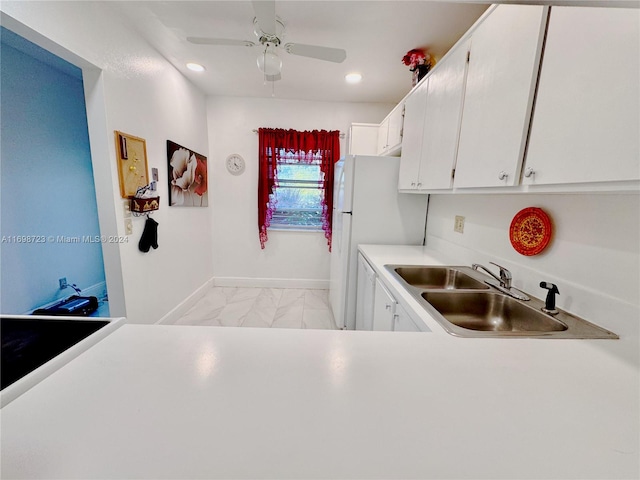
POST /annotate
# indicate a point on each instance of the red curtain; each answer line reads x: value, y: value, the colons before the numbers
x: 270, y: 142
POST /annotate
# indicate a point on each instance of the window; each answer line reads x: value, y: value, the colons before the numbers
x: 295, y: 180
x: 298, y: 192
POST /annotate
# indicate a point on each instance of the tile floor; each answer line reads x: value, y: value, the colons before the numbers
x: 262, y: 307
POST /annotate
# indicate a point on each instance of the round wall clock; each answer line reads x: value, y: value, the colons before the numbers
x: 530, y: 231
x: 235, y: 164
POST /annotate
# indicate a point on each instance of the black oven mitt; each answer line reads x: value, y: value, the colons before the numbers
x: 149, y: 236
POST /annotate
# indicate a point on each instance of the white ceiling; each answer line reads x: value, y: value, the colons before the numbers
x: 375, y: 34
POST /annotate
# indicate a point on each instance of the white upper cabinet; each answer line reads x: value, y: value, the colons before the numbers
x: 383, y: 133
x: 414, y: 116
x: 396, y: 121
x: 390, y: 132
x: 500, y: 85
x: 586, y: 123
x: 363, y: 139
x: 442, y: 120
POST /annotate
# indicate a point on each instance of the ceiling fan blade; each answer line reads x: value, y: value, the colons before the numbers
x: 336, y: 55
x: 265, y: 11
x: 220, y: 41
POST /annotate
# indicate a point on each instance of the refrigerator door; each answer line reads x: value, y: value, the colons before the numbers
x: 340, y: 269
x: 380, y: 215
x: 338, y: 185
x: 338, y: 243
x: 347, y: 183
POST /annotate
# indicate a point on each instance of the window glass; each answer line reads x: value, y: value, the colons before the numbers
x: 298, y: 192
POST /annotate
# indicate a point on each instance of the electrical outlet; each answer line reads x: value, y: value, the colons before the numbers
x: 126, y: 208
x: 128, y: 226
x: 63, y: 282
x: 459, y: 224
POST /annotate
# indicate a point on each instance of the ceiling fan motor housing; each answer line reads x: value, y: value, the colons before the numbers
x: 269, y: 39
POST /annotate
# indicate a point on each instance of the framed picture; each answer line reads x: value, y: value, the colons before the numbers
x: 131, y: 155
x: 188, y: 185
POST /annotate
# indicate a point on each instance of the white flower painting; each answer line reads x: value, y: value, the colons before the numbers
x: 188, y: 186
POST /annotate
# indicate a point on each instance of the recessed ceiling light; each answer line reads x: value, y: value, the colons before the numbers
x: 196, y: 67
x: 353, y: 78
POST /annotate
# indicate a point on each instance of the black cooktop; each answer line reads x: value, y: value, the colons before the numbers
x: 29, y: 343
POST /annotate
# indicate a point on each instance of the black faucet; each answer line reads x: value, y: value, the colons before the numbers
x: 550, y: 302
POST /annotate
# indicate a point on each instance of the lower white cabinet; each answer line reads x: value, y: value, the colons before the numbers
x: 388, y: 314
x: 376, y: 307
x: 365, y: 293
x: 402, y: 321
x: 384, y: 308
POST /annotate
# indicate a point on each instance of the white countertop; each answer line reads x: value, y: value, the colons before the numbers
x: 162, y: 401
x: 626, y: 348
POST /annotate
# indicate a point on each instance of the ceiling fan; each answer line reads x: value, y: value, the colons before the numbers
x: 270, y: 30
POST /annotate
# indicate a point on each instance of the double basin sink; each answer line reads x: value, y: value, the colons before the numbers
x: 465, y: 305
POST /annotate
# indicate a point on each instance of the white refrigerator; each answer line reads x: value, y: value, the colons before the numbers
x: 368, y: 209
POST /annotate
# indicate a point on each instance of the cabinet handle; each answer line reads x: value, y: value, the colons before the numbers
x: 388, y: 306
x: 413, y: 184
x: 529, y: 172
x: 419, y: 184
x: 502, y: 175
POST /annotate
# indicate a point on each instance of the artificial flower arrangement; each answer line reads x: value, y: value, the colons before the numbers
x: 419, y: 62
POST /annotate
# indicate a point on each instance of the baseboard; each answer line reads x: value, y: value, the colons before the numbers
x: 271, y: 283
x: 184, y: 306
x: 98, y: 290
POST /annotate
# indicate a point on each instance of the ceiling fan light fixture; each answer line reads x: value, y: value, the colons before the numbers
x: 269, y: 62
x: 196, y: 67
x: 353, y: 78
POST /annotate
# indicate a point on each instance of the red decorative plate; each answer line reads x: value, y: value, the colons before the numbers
x: 530, y: 231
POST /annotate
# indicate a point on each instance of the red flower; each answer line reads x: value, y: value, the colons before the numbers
x: 413, y: 58
x: 201, y: 177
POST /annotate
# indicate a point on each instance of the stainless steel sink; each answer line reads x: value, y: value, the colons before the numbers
x: 458, y: 298
x: 447, y: 278
x: 491, y: 312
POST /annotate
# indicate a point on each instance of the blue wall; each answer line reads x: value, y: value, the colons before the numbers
x: 46, y: 179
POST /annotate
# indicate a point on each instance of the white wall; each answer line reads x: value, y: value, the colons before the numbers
x: 131, y: 88
x: 593, y: 257
x: 292, y: 259
x: 47, y: 191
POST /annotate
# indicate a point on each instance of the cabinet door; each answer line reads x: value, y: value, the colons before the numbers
x: 502, y: 71
x: 414, y: 112
x: 383, y: 131
x: 396, y: 120
x: 587, y: 115
x: 442, y: 120
x: 363, y: 139
x: 365, y: 294
x: 402, y: 321
x: 384, y: 308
